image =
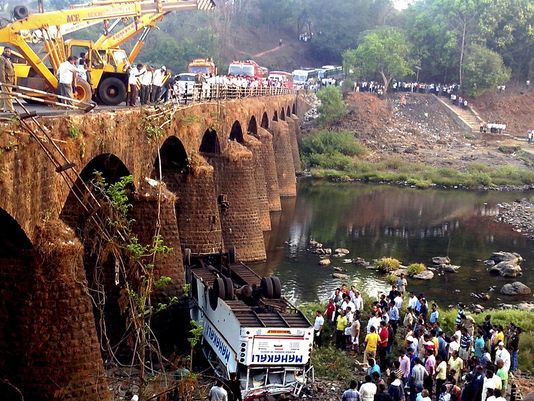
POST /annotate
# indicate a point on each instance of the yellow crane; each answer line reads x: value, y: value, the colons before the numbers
x: 108, y: 63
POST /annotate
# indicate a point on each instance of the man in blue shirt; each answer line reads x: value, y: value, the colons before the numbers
x: 479, y: 345
x: 394, y: 316
x: 434, y: 316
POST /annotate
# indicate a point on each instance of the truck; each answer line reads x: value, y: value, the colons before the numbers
x: 108, y: 63
x: 246, y: 68
x: 248, y: 327
x: 203, y: 66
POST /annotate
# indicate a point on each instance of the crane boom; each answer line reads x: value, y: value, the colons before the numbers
x: 49, y: 27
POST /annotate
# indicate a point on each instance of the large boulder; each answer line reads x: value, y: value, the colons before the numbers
x: 516, y: 288
x: 325, y: 262
x: 426, y: 275
x: 340, y: 276
x: 506, y: 269
x: 441, y: 260
x: 501, y: 256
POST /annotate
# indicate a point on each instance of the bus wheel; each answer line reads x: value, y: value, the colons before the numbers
x: 267, y: 287
x: 229, y: 287
x: 277, y: 287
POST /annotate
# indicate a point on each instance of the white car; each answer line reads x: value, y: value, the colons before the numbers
x: 184, y: 85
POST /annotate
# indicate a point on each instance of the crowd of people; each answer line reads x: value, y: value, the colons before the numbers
x: 408, y: 356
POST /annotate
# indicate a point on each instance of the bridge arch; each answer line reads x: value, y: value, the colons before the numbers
x: 236, y: 133
x: 173, y: 159
x: 282, y: 114
x: 210, y: 143
x: 16, y: 263
x: 294, y: 108
x: 275, y: 116
x: 104, y: 282
x: 288, y: 112
x: 264, y: 120
x: 252, y: 126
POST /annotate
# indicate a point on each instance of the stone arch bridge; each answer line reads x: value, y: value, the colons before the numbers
x: 225, y: 166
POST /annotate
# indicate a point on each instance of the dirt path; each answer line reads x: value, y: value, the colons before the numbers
x: 274, y: 49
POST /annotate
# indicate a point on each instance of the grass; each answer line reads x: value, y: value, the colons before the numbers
x: 415, y: 268
x: 386, y: 265
x: 422, y: 176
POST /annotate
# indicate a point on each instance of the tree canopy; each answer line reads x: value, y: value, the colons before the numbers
x: 383, y: 52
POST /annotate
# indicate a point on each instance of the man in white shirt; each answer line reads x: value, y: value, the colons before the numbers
x: 347, y: 303
x: 503, y: 354
x: 157, y: 83
x: 318, y: 328
x: 218, y: 393
x: 146, y: 85
x: 412, y: 303
x: 67, y: 73
x: 368, y: 390
x: 133, y: 81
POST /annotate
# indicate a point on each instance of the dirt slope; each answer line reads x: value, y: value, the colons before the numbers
x: 416, y: 127
x: 516, y: 110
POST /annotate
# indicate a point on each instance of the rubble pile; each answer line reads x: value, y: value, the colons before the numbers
x: 520, y: 215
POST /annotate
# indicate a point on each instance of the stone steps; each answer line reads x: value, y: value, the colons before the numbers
x: 468, y: 116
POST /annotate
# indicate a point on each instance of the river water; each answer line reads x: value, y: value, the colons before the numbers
x: 409, y: 224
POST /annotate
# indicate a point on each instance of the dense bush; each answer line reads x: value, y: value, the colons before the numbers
x: 330, y: 149
x: 332, y: 107
x: 415, y: 268
x: 386, y: 265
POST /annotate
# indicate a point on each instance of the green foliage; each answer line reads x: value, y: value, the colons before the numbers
x: 415, y: 268
x: 195, y: 333
x: 330, y: 149
x: 117, y: 193
x: 484, y: 69
x: 330, y: 363
x: 332, y: 107
x: 383, y: 53
x: 386, y: 265
x: 162, y: 282
x: 74, y: 131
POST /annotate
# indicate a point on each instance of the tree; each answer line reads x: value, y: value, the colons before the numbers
x: 332, y: 107
x: 484, y: 69
x: 384, y: 52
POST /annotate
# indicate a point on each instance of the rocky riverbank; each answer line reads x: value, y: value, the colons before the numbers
x: 520, y: 215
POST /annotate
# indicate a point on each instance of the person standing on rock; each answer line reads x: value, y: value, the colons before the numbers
x: 402, y: 283
x: 7, y: 76
x: 513, y: 346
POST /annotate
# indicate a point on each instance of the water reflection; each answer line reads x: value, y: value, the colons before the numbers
x: 373, y: 221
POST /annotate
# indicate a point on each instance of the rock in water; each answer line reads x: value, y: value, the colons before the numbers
x: 441, y: 260
x: 347, y: 260
x: 448, y: 268
x: 506, y: 269
x: 340, y: 276
x: 338, y: 269
x: 426, y: 275
x: 325, y: 262
x: 501, y: 256
x: 516, y: 288
x: 341, y: 251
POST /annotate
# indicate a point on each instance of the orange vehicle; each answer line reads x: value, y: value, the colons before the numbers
x: 202, y: 65
x: 286, y: 78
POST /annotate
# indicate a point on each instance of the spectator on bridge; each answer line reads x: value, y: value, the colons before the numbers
x: 133, y: 84
x: 158, y: 78
x: 146, y: 84
x: 7, y: 76
x: 67, y: 74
